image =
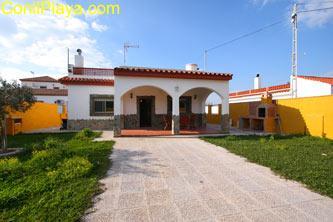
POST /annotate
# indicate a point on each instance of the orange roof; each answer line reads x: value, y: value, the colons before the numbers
x: 50, y: 92
x: 328, y: 80
x: 39, y: 79
x: 254, y: 92
x: 170, y: 73
x: 86, y: 81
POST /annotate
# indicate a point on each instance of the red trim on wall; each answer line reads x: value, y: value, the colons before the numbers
x: 328, y: 80
x: 86, y: 81
x: 231, y: 95
x: 170, y: 73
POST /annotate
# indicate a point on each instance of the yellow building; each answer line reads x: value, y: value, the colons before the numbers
x: 40, y: 117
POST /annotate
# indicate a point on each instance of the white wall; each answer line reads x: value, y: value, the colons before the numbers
x: 130, y: 104
x: 51, y: 99
x: 49, y: 85
x: 308, y: 88
x: 174, y: 87
x: 79, y: 100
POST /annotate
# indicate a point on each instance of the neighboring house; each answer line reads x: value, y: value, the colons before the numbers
x: 138, y: 97
x: 307, y: 86
x: 47, y: 89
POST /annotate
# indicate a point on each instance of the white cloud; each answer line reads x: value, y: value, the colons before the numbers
x: 311, y: 19
x: 316, y: 18
x: 13, y: 73
x: 40, y: 42
x: 98, y: 27
x: 261, y: 2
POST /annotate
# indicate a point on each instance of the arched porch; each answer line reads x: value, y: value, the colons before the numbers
x: 174, y: 104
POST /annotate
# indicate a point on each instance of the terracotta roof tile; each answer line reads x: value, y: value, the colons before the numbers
x: 50, y: 92
x: 328, y: 80
x: 39, y: 79
x: 170, y: 73
x: 86, y: 81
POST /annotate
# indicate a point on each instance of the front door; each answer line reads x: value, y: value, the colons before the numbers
x: 145, y: 111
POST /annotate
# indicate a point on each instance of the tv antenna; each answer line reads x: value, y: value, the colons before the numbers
x: 128, y: 45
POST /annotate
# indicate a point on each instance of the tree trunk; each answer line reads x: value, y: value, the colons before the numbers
x: 3, y: 135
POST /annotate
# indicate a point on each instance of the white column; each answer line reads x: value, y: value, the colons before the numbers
x: 117, y: 116
x: 175, y: 115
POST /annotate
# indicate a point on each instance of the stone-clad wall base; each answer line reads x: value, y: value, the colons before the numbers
x: 131, y: 121
x: 225, y: 123
x: 94, y: 124
x: 175, y: 125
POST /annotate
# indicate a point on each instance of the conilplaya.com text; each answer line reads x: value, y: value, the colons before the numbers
x: 9, y: 7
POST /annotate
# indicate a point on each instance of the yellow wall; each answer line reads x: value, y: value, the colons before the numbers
x: 312, y: 115
x: 213, y: 118
x: 238, y: 110
x: 40, y: 116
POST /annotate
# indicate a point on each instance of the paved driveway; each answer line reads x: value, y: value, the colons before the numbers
x: 186, y: 179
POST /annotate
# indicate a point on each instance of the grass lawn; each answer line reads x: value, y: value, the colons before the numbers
x: 54, y: 179
x: 306, y: 159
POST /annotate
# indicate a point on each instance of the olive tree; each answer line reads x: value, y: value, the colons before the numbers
x: 13, y: 97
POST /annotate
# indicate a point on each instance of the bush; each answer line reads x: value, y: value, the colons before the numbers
x: 43, y: 160
x: 9, y: 167
x: 86, y: 133
x: 56, y: 178
x: 72, y: 168
x: 52, y: 143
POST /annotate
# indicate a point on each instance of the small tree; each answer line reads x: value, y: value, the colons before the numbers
x: 13, y: 97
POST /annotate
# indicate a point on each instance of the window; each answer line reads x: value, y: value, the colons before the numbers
x: 185, y: 104
x: 262, y: 112
x: 55, y: 87
x: 42, y: 87
x: 17, y: 121
x: 101, y: 105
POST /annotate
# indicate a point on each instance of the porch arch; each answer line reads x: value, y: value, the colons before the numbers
x: 199, y: 96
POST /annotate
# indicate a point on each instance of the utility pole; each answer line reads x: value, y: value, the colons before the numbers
x: 294, y: 58
x: 127, y: 45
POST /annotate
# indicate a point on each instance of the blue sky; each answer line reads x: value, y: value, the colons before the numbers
x: 170, y: 34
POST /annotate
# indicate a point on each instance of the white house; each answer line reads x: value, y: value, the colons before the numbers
x: 46, y: 89
x: 300, y: 86
x: 139, y: 97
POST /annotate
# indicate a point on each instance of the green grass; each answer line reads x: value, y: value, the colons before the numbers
x: 54, y: 179
x: 306, y: 159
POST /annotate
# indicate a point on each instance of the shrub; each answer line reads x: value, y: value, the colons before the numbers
x: 9, y: 167
x: 43, y: 160
x: 74, y: 167
x: 86, y: 133
x: 52, y: 143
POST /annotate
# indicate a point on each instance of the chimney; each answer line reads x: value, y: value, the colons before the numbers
x: 257, y: 82
x: 79, y: 61
x: 191, y: 67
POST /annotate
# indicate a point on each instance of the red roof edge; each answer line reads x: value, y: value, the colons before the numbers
x: 86, y: 81
x: 253, y: 92
x: 328, y: 80
x: 170, y: 73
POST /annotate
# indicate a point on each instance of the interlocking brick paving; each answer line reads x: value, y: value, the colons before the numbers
x: 187, y: 179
